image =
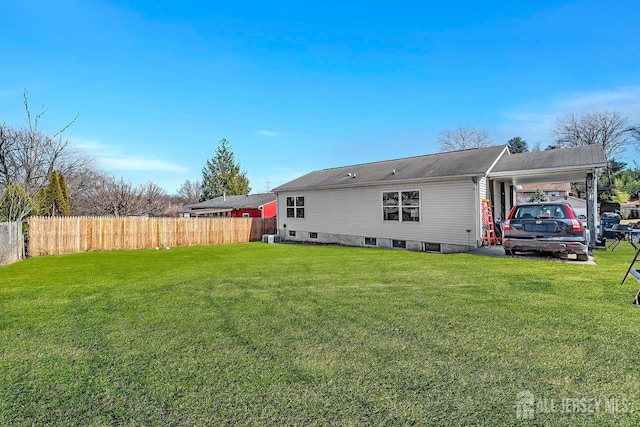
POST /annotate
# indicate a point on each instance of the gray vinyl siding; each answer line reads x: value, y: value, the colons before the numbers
x: 447, y: 210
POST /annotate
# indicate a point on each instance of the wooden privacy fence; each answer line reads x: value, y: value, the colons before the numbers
x: 62, y: 235
x: 11, y: 242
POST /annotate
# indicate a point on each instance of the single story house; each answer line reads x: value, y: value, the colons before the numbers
x: 525, y: 193
x: 579, y: 205
x: 423, y: 203
x: 262, y: 205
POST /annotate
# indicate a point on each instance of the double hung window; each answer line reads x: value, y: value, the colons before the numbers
x: 402, y: 206
x: 295, y: 206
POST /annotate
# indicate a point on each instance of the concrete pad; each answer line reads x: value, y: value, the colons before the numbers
x: 499, y: 251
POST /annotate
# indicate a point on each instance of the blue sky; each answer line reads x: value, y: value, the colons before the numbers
x: 299, y: 86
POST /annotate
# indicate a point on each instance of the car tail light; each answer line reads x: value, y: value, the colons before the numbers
x: 507, y: 225
x: 575, y: 224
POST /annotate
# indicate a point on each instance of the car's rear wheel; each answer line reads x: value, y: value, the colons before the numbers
x: 582, y: 257
x: 509, y: 252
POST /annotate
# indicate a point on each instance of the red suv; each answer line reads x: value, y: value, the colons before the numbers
x: 545, y: 227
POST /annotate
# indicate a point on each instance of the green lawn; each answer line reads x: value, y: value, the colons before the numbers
x: 316, y: 335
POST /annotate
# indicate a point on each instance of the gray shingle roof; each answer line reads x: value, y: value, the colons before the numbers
x: 588, y: 155
x: 472, y: 162
x: 234, y: 202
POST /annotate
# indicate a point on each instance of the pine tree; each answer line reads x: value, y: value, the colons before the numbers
x: 540, y: 196
x: 517, y: 145
x: 49, y: 205
x: 54, y: 200
x: 222, y: 175
x: 40, y: 202
x: 15, y: 204
x: 65, y: 207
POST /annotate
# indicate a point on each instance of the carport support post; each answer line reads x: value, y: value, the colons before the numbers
x: 592, y: 191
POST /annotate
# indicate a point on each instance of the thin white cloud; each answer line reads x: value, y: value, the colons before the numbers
x: 624, y: 99
x: 93, y: 147
x: 268, y: 133
x: 140, y: 164
x: 111, y: 158
x: 8, y: 92
x: 534, y: 123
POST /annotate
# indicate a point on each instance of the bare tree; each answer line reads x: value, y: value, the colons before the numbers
x: 107, y: 195
x: 154, y: 200
x: 29, y: 156
x: 536, y: 147
x: 634, y: 132
x: 115, y: 197
x: 462, y: 138
x: 609, y: 129
x: 189, y: 192
x: 82, y: 188
x: 103, y: 195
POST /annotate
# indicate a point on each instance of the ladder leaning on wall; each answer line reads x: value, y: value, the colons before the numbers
x: 488, y: 227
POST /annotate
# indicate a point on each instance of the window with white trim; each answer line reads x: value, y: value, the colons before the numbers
x: 402, y: 206
x: 295, y: 206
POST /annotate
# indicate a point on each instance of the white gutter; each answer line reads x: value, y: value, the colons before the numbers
x: 558, y: 170
x: 379, y: 183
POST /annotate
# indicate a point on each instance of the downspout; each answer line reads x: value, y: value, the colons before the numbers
x: 277, y: 214
x: 592, y: 206
x: 478, y: 213
x: 596, y: 214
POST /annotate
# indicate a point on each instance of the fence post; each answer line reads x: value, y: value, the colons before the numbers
x: 11, y: 242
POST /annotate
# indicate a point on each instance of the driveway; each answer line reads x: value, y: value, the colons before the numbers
x: 499, y: 251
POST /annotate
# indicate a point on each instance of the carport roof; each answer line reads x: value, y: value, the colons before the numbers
x: 560, y: 165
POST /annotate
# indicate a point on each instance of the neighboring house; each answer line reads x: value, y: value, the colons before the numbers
x: 431, y: 202
x: 261, y: 205
x: 579, y: 205
x: 526, y: 193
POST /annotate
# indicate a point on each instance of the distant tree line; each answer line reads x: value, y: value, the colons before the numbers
x: 40, y: 174
x: 611, y: 130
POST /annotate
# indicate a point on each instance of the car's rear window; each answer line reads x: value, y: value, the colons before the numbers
x: 540, y: 211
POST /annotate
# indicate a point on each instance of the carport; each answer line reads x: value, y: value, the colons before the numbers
x: 579, y: 164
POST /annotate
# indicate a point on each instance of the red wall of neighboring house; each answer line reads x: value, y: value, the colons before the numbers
x: 270, y: 210
x: 253, y: 213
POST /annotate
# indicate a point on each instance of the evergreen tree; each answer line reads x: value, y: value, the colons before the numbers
x: 15, y: 204
x: 540, y: 196
x: 54, y: 201
x: 65, y: 207
x: 49, y: 206
x: 222, y: 175
x: 517, y: 145
x: 40, y: 202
